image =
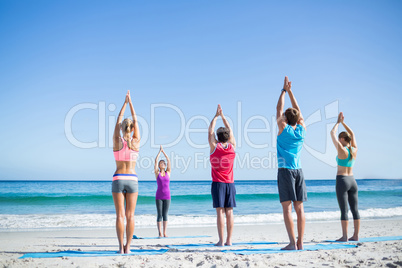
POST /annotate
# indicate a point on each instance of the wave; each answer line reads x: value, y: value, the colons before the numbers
x: 107, y: 198
x: 185, y: 199
x: 38, y: 221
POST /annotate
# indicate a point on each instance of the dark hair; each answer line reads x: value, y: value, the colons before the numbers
x: 223, y: 134
x: 346, y: 136
x: 292, y: 116
x: 159, y: 164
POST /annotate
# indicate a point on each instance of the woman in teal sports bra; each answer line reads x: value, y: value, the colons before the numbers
x: 346, y: 186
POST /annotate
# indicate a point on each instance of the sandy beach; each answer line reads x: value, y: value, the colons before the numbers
x: 367, y: 254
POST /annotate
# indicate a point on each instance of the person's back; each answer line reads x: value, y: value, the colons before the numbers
x: 346, y: 185
x: 289, y: 145
x: 223, y: 190
x: 125, y: 180
x: 291, y: 184
x: 222, y: 160
x: 345, y: 165
x: 125, y: 158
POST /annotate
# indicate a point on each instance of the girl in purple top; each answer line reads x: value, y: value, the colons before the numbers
x: 162, y: 198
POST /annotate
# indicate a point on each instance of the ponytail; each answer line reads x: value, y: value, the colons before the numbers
x: 348, y: 139
x: 352, y: 153
x: 127, y: 125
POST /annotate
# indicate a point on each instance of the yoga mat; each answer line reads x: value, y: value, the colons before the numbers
x: 213, y: 245
x: 370, y: 239
x: 156, y: 237
x: 71, y: 253
x: 327, y: 246
x: 278, y: 250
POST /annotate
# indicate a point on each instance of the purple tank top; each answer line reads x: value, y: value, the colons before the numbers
x: 163, y: 191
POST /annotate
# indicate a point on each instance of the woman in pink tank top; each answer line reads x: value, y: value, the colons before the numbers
x: 223, y: 191
x: 125, y: 181
x: 162, y: 197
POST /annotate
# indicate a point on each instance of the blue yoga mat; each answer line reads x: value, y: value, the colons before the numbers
x: 370, y: 239
x: 70, y: 253
x: 213, y: 245
x: 278, y: 250
x: 156, y: 237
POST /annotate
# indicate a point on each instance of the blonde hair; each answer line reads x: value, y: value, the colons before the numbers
x: 127, y: 126
x: 346, y: 136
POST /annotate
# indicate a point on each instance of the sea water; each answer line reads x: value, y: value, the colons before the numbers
x: 83, y: 204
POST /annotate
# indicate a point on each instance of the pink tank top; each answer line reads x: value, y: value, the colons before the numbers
x: 222, y: 160
x: 163, y: 191
x: 125, y: 154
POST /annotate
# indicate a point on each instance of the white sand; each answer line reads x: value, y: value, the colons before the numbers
x: 374, y: 254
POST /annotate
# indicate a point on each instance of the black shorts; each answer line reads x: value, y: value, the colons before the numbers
x: 291, y: 185
x: 223, y: 195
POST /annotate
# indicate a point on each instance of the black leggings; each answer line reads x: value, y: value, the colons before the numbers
x: 346, y: 191
x: 162, y: 206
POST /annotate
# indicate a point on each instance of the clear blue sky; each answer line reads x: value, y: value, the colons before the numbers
x: 192, y: 55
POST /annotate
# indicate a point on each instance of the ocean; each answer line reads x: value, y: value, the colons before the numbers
x: 89, y: 204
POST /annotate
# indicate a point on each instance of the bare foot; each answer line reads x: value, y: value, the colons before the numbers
x: 127, y: 250
x: 342, y: 239
x: 354, y: 238
x: 299, y: 245
x: 160, y: 236
x: 228, y: 243
x: 165, y: 235
x: 219, y: 244
x: 289, y: 247
x: 121, y: 251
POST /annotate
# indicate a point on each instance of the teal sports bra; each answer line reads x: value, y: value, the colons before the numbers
x: 346, y: 162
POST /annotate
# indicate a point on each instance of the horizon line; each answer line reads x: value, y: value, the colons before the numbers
x: 62, y: 180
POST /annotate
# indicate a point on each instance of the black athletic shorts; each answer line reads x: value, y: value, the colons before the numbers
x: 223, y: 195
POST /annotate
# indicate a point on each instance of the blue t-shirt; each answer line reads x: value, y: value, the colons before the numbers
x: 289, y: 145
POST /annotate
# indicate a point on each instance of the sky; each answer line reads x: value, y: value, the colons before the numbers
x: 66, y: 66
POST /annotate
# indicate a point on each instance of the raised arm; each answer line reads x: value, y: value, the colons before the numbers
x: 334, y: 131
x: 136, y: 133
x: 167, y: 160
x: 280, y: 119
x: 288, y: 87
x: 293, y: 100
x: 232, y: 139
x: 156, y: 168
x: 211, y: 131
x: 116, y: 133
x: 352, y: 135
x: 280, y: 105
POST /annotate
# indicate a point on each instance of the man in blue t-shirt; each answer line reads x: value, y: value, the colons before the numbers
x: 291, y: 185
